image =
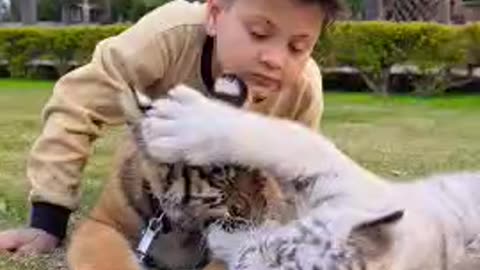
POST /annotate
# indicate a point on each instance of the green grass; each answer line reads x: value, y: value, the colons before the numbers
x: 399, y: 137
x: 20, y: 119
x: 19, y: 84
x: 405, y: 137
x: 21, y: 102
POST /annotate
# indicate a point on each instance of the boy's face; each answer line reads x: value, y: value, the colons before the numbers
x: 265, y: 42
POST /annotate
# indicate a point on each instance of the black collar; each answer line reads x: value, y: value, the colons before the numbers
x: 206, y: 64
x: 159, y: 218
x: 209, y: 81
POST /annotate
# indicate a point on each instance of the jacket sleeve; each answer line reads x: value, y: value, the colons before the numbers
x: 83, y: 102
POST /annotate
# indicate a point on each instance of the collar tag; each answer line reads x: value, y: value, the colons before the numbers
x: 155, y: 225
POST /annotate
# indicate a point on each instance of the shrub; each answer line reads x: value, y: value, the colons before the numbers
x: 374, y: 48
x: 63, y: 46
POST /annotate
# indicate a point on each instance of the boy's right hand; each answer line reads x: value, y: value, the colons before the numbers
x: 25, y: 241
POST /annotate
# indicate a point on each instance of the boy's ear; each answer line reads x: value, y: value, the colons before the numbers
x: 374, y: 236
x: 213, y: 10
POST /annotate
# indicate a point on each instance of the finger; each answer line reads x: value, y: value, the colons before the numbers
x: 9, y: 240
x: 185, y: 94
x: 164, y: 149
x: 27, y: 250
x: 165, y: 108
x: 153, y: 127
x: 39, y: 244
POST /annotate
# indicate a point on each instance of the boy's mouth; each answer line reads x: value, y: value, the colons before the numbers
x: 267, y: 82
x: 258, y: 99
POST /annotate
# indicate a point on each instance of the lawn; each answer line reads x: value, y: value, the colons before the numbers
x: 399, y: 137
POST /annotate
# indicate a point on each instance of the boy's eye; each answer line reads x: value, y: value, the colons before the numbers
x: 297, y: 47
x: 258, y: 35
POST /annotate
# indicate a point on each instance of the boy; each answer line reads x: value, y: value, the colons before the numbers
x: 267, y: 43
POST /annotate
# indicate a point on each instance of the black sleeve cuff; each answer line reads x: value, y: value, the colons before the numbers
x: 51, y: 218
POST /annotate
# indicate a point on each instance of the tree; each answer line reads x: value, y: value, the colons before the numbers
x: 132, y: 10
x: 140, y: 7
x: 151, y: 4
x: 15, y: 10
x: 120, y: 10
x: 137, y: 11
x: 50, y: 10
x: 356, y: 8
x: 107, y: 13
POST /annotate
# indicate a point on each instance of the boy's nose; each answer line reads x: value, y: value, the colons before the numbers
x: 274, y: 57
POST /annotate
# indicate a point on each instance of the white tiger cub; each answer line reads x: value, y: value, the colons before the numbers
x: 348, y: 217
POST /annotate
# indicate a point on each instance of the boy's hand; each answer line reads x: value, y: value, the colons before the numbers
x: 27, y: 241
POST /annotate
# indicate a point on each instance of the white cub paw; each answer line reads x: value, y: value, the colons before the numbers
x: 184, y: 94
x: 186, y: 126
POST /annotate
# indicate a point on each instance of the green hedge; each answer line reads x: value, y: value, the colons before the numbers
x: 470, y: 3
x: 375, y: 47
x: 371, y: 47
x: 61, y: 45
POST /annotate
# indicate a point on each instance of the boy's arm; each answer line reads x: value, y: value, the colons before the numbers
x: 83, y: 102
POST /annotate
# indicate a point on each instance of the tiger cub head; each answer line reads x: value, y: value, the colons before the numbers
x: 194, y: 196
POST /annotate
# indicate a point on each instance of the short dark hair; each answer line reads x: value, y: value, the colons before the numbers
x: 331, y: 8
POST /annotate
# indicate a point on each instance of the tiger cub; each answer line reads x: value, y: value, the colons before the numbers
x: 348, y: 218
x: 152, y: 215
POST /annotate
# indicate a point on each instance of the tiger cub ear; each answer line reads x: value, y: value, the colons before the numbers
x: 374, y: 236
